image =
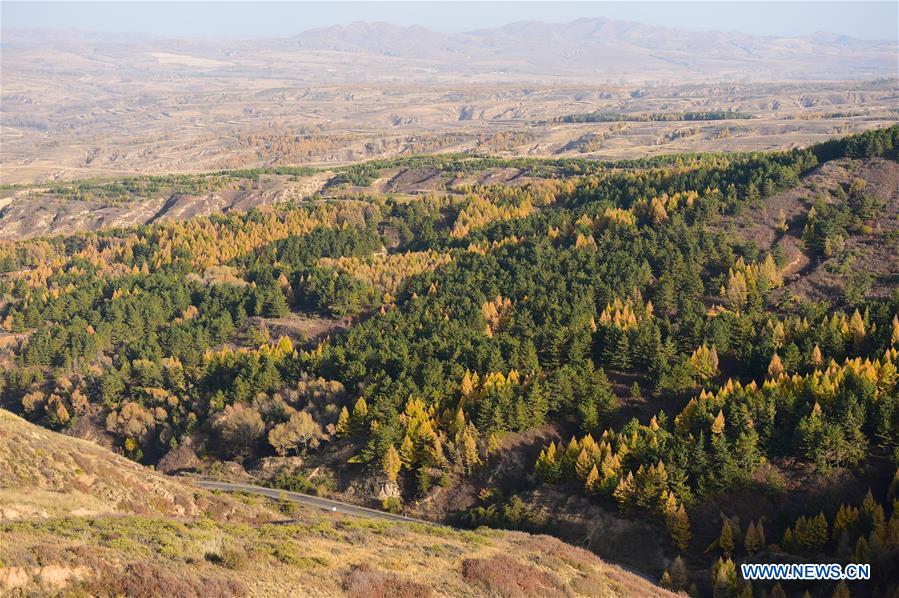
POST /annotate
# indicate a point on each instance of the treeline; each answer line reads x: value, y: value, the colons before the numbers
x: 365, y: 173
x: 876, y: 142
x: 614, y: 117
x: 142, y: 187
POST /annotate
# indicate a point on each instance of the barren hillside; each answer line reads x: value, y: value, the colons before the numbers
x: 79, y: 104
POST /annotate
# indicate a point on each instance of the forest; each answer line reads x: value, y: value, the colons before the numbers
x: 468, y: 318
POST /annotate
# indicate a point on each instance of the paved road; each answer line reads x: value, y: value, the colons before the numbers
x: 325, y: 504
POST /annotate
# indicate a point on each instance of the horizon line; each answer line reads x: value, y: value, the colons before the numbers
x: 4, y: 28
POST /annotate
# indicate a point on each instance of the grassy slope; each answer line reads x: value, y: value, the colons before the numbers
x: 76, y: 517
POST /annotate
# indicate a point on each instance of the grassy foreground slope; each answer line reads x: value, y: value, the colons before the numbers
x: 77, y: 519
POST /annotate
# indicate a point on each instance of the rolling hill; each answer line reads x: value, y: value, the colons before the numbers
x: 76, y: 518
x: 79, y: 104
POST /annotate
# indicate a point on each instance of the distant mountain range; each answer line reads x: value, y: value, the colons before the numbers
x: 608, y: 47
x: 586, y: 50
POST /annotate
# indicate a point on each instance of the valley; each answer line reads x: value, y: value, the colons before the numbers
x: 573, y: 307
x: 80, y: 105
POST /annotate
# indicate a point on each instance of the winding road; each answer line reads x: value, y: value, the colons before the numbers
x: 324, y: 504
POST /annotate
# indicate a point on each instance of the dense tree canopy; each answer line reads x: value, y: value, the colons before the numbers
x: 475, y: 315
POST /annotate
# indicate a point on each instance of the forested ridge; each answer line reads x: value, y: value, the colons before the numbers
x: 476, y: 315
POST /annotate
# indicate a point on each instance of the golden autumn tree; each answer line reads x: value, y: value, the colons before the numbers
x: 391, y: 463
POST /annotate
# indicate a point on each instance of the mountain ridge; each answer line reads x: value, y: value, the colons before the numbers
x: 586, y: 47
x: 584, y: 31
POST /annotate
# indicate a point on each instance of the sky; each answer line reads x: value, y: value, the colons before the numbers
x: 866, y: 20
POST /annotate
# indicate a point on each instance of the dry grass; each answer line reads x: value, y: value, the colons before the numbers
x: 367, y: 581
x: 221, y: 546
x: 503, y: 576
x: 154, y: 107
x: 48, y: 474
x: 144, y: 579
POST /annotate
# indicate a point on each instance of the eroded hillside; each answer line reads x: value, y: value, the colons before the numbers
x: 78, y: 105
x: 860, y: 257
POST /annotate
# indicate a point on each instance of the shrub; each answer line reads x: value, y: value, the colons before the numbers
x: 392, y: 504
x: 503, y: 576
x: 293, y: 481
x: 296, y: 481
x: 364, y: 580
x: 228, y: 557
x: 146, y: 580
x: 289, y: 554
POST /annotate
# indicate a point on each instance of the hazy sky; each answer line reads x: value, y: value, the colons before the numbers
x: 868, y: 20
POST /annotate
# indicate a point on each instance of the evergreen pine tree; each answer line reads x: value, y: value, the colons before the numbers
x: 678, y: 571
x: 548, y: 467
x: 274, y: 304
x: 787, y: 543
x: 777, y: 591
x: 724, y: 578
x: 407, y: 452
x: 776, y: 367
x: 537, y: 404
x: 665, y: 581
x: 583, y: 465
x: 862, y: 552
x: 359, y: 419
x: 718, y: 423
x: 818, y: 535
x: 470, y: 458
x: 817, y: 359
x: 624, y: 493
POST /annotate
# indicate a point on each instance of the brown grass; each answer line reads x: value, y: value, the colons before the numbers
x: 143, y: 579
x: 503, y: 576
x: 366, y: 581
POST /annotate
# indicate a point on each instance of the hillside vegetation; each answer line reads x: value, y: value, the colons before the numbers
x: 76, y: 519
x: 682, y: 362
